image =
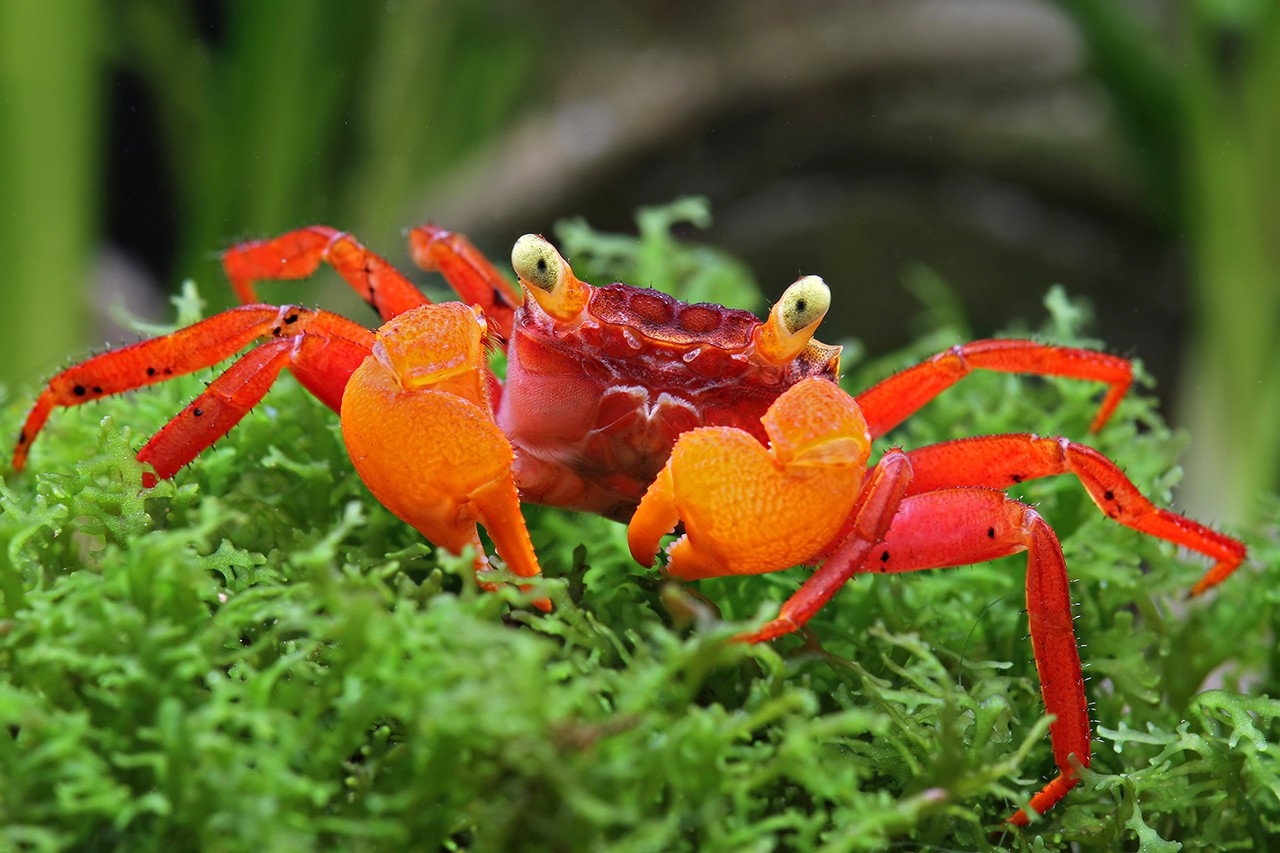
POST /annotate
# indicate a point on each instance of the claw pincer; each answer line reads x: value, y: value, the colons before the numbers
x: 748, y: 508
x: 419, y: 426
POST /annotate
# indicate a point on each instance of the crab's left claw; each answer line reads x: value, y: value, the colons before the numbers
x: 419, y: 426
x: 747, y: 508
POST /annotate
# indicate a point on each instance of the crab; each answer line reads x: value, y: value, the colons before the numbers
x: 623, y: 401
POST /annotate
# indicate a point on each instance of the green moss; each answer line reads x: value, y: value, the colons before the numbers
x: 258, y: 656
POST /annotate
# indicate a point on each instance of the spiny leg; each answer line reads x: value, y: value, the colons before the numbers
x: 958, y: 527
x: 893, y: 400
x: 1000, y: 461
x: 326, y: 361
x: 298, y: 254
x: 336, y: 347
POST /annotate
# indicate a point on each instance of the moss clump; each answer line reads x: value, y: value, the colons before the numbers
x: 258, y: 656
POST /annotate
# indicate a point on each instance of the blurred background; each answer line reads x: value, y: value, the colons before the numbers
x: 927, y: 157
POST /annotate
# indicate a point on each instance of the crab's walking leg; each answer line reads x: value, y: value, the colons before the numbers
x: 323, y: 348
x: 968, y: 525
x: 882, y: 493
x: 298, y: 254
x: 893, y: 400
x: 957, y: 527
x: 1000, y: 461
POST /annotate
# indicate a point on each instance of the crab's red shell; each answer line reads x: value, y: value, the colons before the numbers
x: 594, y: 406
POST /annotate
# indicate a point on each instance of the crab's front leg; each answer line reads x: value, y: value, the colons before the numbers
x: 418, y: 423
x: 749, y: 509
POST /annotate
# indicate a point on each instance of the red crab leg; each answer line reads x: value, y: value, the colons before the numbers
x: 298, y: 254
x: 468, y: 272
x: 999, y: 461
x: 324, y: 348
x: 893, y: 400
x: 957, y: 527
x: 881, y: 495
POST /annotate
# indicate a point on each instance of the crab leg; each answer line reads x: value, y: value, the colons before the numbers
x: 298, y: 254
x: 893, y: 400
x: 999, y: 461
x: 335, y: 346
x: 958, y: 527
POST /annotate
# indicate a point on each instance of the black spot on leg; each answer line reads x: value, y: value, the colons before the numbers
x: 1108, y: 495
x: 1017, y: 478
x: 97, y: 389
x: 80, y: 390
x: 291, y: 319
x: 168, y: 371
x: 22, y: 437
x: 884, y: 558
x: 197, y: 411
x: 991, y: 533
x: 276, y: 331
x: 151, y: 371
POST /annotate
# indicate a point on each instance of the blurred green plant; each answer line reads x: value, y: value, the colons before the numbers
x: 310, y: 112
x: 692, y: 272
x: 299, y: 113
x: 257, y: 656
x: 50, y: 111
x: 1204, y: 122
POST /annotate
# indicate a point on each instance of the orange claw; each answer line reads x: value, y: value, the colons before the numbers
x: 418, y: 424
x: 748, y: 509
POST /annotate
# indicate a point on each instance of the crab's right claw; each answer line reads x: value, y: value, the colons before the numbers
x: 749, y: 509
x: 418, y: 424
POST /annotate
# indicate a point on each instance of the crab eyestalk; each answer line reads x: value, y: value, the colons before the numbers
x: 547, y: 276
x: 792, y: 321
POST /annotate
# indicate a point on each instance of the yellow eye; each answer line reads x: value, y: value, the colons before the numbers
x: 548, y: 278
x: 537, y: 262
x: 804, y: 303
x: 792, y: 321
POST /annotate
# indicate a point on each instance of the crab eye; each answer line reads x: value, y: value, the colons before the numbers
x: 792, y: 321
x: 548, y: 277
x: 536, y: 262
x: 804, y: 303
